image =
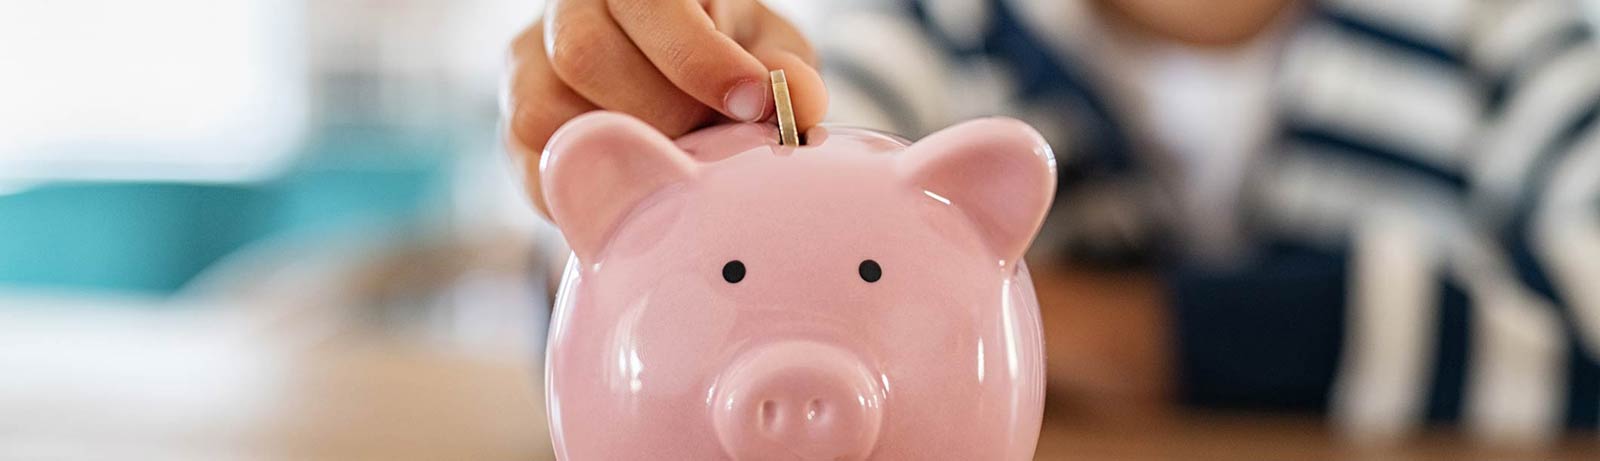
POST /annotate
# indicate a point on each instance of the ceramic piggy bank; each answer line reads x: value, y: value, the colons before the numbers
x: 857, y: 297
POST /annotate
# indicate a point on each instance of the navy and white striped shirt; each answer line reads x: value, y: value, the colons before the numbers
x: 1424, y: 226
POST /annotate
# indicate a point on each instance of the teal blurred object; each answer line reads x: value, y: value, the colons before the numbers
x: 154, y: 237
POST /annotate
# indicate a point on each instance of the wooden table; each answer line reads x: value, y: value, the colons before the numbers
x: 157, y: 385
x: 1223, y: 436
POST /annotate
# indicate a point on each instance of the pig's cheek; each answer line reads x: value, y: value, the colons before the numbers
x: 921, y: 323
x: 669, y: 339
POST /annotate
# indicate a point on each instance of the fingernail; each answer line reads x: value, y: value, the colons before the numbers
x: 747, y: 101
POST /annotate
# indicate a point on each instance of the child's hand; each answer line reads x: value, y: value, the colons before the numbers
x: 676, y: 64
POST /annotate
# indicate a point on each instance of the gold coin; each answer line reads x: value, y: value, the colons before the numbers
x: 788, y: 133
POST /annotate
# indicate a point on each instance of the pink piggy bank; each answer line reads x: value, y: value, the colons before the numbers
x: 858, y: 297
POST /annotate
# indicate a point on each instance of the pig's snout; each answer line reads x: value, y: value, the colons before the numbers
x: 798, y: 400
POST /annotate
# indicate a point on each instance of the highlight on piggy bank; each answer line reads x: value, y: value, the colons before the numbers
x: 856, y: 297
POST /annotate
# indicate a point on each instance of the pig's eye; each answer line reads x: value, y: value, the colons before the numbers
x: 870, y: 271
x: 733, y: 271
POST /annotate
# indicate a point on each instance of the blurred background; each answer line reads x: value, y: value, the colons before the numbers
x: 263, y: 228
x: 286, y: 229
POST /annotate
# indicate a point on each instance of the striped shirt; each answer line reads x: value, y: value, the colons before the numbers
x: 1422, y: 227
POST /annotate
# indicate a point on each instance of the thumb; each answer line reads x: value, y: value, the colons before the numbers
x: 679, y: 38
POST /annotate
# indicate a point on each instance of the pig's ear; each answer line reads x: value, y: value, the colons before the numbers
x: 599, y: 167
x: 998, y: 172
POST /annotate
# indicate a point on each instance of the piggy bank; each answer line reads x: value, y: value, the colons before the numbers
x: 856, y: 297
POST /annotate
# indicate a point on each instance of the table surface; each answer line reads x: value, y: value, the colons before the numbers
x: 162, y: 386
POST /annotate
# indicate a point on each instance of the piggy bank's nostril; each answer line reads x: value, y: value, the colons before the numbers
x: 815, y: 410
x: 767, y: 416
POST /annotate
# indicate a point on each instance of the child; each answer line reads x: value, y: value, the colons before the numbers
x: 1387, y: 211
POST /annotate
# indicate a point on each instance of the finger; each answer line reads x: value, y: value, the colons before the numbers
x: 781, y: 46
x: 733, y: 18
x: 534, y: 103
x: 679, y: 37
x: 598, y: 61
x: 773, y: 31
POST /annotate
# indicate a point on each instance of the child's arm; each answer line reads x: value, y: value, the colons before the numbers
x: 675, y: 64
